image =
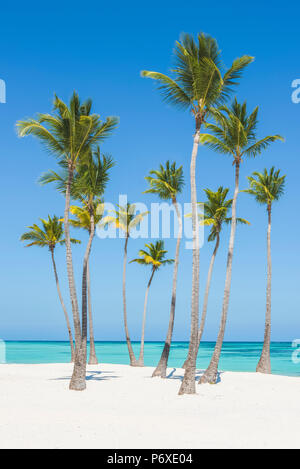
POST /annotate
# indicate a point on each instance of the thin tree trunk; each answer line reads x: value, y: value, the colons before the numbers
x: 188, y: 383
x: 78, y: 381
x: 207, y: 290
x: 140, y: 361
x: 72, y: 287
x: 63, y: 307
x: 211, y: 374
x: 132, y: 358
x: 161, y: 369
x: 264, y: 365
x: 93, y: 360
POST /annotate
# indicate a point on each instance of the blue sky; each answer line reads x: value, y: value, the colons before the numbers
x: 99, y: 52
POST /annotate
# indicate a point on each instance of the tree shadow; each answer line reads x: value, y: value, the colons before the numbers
x: 97, y: 376
x: 199, y: 374
x: 92, y: 376
x: 171, y: 374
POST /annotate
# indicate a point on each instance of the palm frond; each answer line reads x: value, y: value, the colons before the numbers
x: 233, y: 75
x: 171, y: 92
x: 261, y: 145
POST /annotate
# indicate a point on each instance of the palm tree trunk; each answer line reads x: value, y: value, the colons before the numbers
x: 211, y: 374
x: 63, y: 307
x: 93, y: 360
x: 140, y: 361
x: 264, y: 365
x: 72, y: 287
x: 132, y: 358
x: 207, y: 290
x: 78, y: 381
x: 188, y: 383
x: 161, y: 369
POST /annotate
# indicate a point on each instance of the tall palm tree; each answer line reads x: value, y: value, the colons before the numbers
x: 267, y: 187
x: 215, y: 214
x: 88, y: 186
x: 197, y: 85
x: 233, y: 134
x: 50, y: 235
x: 69, y: 134
x: 83, y: 221
x: 167, y: 183
x: 125, y: 219
x: 155, y: 257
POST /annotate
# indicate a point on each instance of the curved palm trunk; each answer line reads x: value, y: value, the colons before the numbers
x: 63, y: 307
x: 188, y: 383
x: 93, y: 360
x: 211, y: 374
x: 129, y: 346
x: 78, y: 381
x: 140, y: 361
x: 161, y: 369
x: 264, y: 365
x: 207, y: 290
x: 72, y: 287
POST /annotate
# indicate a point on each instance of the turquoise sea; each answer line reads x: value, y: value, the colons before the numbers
x: 236, y: 356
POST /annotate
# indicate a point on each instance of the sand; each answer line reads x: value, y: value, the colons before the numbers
x: 124, y: 408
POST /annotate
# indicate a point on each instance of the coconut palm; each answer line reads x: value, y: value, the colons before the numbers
x: 125, y: 219
x: 83, y: 221
x: 50, y: 235
x: 167, y: 182
x: 233, y: 134
x: 69, y: 134
x: 88, y: 185
x: 267, y: 187
x: 215, y: 214
x: 197, y: 85
x: 154, y: 255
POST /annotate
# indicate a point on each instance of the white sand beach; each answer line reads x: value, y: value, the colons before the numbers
x: 124, y: 408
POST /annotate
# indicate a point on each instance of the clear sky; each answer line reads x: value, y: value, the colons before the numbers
x: 99, y: 49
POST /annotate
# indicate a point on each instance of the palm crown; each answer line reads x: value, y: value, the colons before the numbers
x: 71, y: 131
x: 125, y: 218
x: 266, y: 187
x: 50, y: 234
x: 83, y: 215
x: 215, y: 211
x: 198, y: 83
x: 234, y: 132
x: 154, y: 255
x: 90, y: 179
x: 167, y: 182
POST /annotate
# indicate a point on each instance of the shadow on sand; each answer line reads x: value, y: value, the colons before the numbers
x: 92, y: 376
x: 199, y: 373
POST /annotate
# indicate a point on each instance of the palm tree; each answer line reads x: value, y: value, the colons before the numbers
x: 88, y: 185
x: 215, y: 214
x: 50, y: 235
x: 126, y: 220
x: 233, y: 134
x: 267, y: 187
x: 69, y: 134
x: 167, y: 183
x: 197, y: 86
x: 83, y: 221
x: 155, y: 257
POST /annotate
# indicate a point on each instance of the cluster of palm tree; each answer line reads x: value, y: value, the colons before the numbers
x: 198, y: 85
x: 73, y: 134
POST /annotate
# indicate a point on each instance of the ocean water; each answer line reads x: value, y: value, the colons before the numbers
x: 236, y: 356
